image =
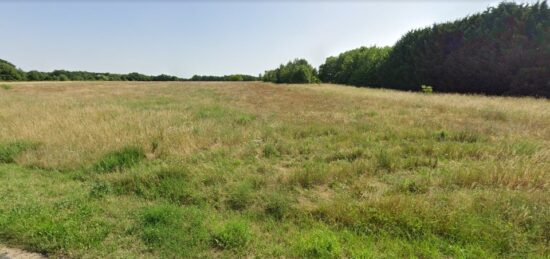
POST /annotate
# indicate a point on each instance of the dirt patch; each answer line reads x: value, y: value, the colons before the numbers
x: 14, y: 253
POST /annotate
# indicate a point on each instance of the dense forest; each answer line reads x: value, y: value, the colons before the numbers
x: 502, y: 51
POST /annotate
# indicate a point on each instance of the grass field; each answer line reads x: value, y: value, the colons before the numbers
x: 119, y: 170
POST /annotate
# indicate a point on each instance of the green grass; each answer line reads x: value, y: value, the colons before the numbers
x: 10, y: 150
x: 6, y: 87
x: 232, y: 170
x: 119, y: 160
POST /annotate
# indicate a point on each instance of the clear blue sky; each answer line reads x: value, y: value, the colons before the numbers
x: 211, y: 37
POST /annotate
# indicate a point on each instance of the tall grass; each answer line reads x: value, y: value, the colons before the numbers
x: 190, y: 169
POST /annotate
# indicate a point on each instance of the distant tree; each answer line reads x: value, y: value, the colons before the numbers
x: 298, y: 71
x: 355, y: 67
x: 164, y: 77
x: 235, y: 77
x: 36, y: 76
x: 8, y: 72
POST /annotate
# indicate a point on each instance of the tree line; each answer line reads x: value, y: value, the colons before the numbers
x: 504, y: 50
x: 298, y: 71
x: 236, y: 77
x: 8, y: 72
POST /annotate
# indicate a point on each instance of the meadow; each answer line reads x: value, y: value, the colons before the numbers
x: 251, y: 169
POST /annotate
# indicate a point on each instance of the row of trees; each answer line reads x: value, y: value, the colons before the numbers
x: 236, y: 77
x: 298, y: 71
x: 8, y: 72
x: 502, y: 51
x: 355, y: 67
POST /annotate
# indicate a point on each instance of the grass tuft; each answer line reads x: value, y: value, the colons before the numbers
x: 318, y: 243
x: 9, y: 151
x: 233, y: 235
x: 119, y: 160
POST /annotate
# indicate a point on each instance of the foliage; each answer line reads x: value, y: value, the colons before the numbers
x: 235, y: 77
x: 298, y: 71
x: 8, y: 72
x: 355, y: 67
x: 426, y: 89
x: 502, y: 51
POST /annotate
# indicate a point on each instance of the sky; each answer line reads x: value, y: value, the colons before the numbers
x: 209, y: 37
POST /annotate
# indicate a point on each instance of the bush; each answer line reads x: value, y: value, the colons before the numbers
x: 426, y: 89
x: 119, y: 160
x: 234, y: 234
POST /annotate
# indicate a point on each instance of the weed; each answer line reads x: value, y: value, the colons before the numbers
x: 6, y: 87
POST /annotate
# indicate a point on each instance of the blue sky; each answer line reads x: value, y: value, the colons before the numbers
x: 210, y: 37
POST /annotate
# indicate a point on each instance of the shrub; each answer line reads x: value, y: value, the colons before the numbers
x: 426, y: 89
x: 119, y: 160
x: 318, y: 243
x: 234, y: 234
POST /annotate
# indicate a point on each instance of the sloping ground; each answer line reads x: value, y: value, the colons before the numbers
x: 114, y: 169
